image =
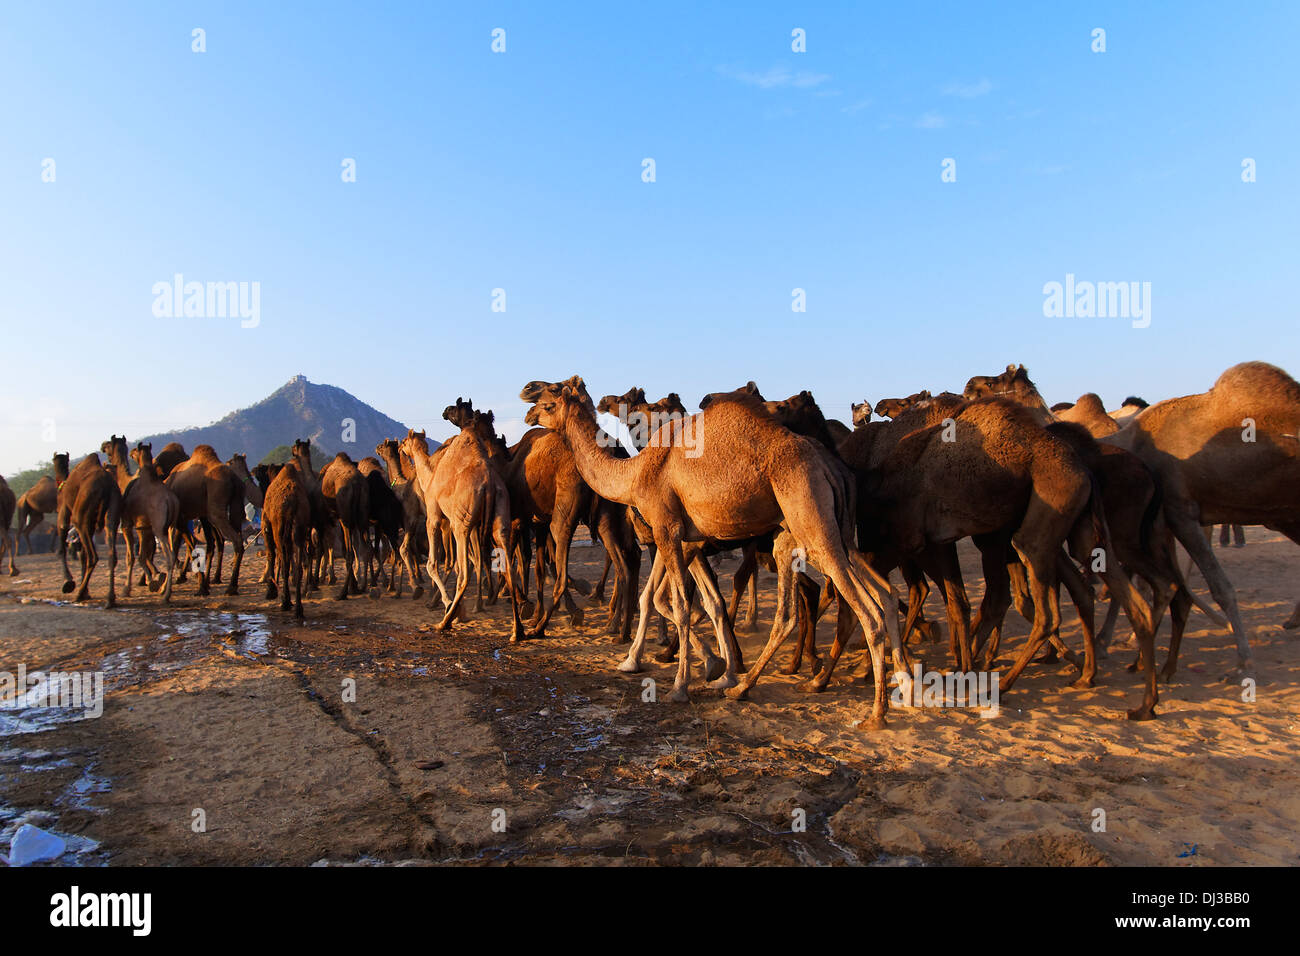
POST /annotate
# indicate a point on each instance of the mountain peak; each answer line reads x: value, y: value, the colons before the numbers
x: 297, y: 409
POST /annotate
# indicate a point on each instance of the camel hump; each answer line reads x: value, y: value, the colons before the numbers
x: 1260, y: 380
x: 1090, y: 402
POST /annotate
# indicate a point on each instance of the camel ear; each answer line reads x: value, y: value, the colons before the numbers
x: 1011, y: 366
x: 925, y: 394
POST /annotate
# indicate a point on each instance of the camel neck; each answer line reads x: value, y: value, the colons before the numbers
x: 606, y: 473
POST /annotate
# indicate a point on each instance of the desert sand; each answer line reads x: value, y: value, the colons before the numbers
x: 462, y: 748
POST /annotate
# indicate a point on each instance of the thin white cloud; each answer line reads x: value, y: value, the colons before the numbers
x: 776, y: 77
x: 930, y: 121
x: 968, y: 91
x: 856, y: 107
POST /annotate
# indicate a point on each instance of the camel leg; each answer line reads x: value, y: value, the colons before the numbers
x: 1179, y: 610
x: 624, y: 578
x: 1292, y: 530
x: 944, y: 560
x: 462, y: 576
x: 432, y: 566
x: 1081, y: 595
x: 632, y: 663
x: 744, y: 575
x: 565, y: 522
x: 783, y: 621
x: 1189, y: 535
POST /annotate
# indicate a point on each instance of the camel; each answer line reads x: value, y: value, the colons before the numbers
x: 728, y: 473
x: 387, y: 519
x: 346, y: 495
x: 459, y: 482
x: 892, y: 407
x: 149, y: 509
x: 1014, y: 384
x: 89, y: 500
x: 41, y: 499
x: 546, y: 489
x: 8, y: 504
x: 993, y: 472
x: 211, y: 492
x: 401, y: 478
x: 1125, y: 487
x: 1229, y: 455
x: 286, y: 522
x: 861, y: 414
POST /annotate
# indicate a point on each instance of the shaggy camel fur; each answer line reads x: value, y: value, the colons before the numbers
x: 727, y: 473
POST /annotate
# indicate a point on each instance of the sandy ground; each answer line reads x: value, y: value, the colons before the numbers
x: 226, y: 706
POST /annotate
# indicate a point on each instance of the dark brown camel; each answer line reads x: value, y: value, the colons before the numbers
x: 8, y: 505
x: 210, y: 492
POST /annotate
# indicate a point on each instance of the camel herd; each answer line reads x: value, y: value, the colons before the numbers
x: 1070, y: 496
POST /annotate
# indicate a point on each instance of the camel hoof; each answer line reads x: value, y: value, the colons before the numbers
x: 716, y: 668
x: 790, y: 669
x: 1293, y: 621
x: 739, y: 692
x: 271, y: 593
x: 342, y: 595
x: 373, y: 594
x: 1167, y: 675
x: 297, y: 612
x: 576, y: 618
x: 68, y: 587
x: 156, y: 586
x: 1142, y: 713
x: 666, y: 656
x: 111, y: 602
x: 629, y: 666
x: 811, y: 687
x: 679, y: 697
x: 723, y: 683
x: 1083, y: 683
x: 418, y: 592
x: 232, y: 590
x: 13, y: 572
x: 1243, y: 669
x: 873, y: 723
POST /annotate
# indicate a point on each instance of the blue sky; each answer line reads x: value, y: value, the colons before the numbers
x: 522, y: 171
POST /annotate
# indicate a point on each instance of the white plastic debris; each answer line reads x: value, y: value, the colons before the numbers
x: 33, y: 845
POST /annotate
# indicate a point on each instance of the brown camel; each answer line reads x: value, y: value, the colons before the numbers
x: 89, y: 500
x: 387, y: 518
x: 346, y: 494
x: 150, y: 510
x: 1229, y: 455
x: 286, y: 522
x: 893, y: 407
x: 988, y: 470
x: 210, y: 492
x: 1014, y: 384
x: 728, y: 473
x: 42, y: 499
x: 172, y: 455
x: 547, y: 492
x: 8, y: 505
x: 861, y: 414
x: 459, y: 482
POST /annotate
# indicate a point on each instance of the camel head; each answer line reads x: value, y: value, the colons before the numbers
x: 61, y: 460
x: 1014, y: 380
x: 747, y: 392
x: 554, y: 402
x: 610, y: 404
x: 265, y: 474
x: 116, y: 450
x: 301, y: 454
x: 801, y: 414
x: 893, y: 407
x: 861, y: 413
x: 460, y: 414
x: 142, y: 455
x: 414, y: 442
x: 670, y: 404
